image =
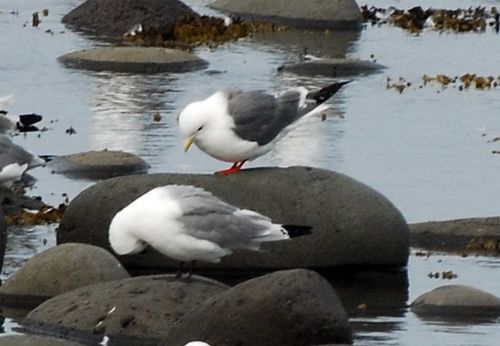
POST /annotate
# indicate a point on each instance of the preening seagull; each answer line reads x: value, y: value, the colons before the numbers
x: 236, y: 125
x: 189, y: 224
x: 14, y: 161
x: 23, y: 123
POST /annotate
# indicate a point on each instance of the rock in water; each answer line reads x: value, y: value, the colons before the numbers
x: 310, y: 14
x: 293, y: 307
x: 58, y: 270
x: 352, y: 224
x: 115, y: 17
x: 139, y: 309
x: 457, y: 301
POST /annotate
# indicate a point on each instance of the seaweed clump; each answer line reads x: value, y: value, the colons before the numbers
x: 195, y: 31
x: 414, y: 20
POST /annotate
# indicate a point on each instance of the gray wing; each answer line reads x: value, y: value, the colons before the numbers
x: 260, y: 117
x: 207, y: 217
x: 11, y: 153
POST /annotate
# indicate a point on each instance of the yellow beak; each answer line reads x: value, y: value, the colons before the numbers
x: 188, y: 143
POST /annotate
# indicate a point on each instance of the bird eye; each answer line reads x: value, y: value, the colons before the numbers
x: 200, y: 128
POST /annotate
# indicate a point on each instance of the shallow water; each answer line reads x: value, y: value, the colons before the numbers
x: 428, y: 150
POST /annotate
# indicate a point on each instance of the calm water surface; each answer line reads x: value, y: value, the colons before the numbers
x: 429, y: 150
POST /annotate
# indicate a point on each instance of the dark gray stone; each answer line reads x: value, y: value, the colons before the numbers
x: 457, y: 301
x: 474, y: 234
x: 310, y: 14
x: 98, y: 164
x: 140, y: 308
x: 332, y: 67
x: 113, y: 18
x: 293, y: 307
x: 352, y: 223
x: 58, y: 270
x: 133, y: 59
x: 34, y: 340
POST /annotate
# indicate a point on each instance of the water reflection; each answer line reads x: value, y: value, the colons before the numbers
x: 23, y: 243
x: 130, y: 112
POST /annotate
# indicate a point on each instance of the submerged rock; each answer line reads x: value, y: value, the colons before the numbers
x: 352, y: 223
x: 457, y: 301
x: 115, y: 17
x: 294, y: 307
x: 310, y: 14
x: 140, y: 309
x: 57, y: 270
x: 98, y: 164
x: 332, y: 67
x: 133, y: 59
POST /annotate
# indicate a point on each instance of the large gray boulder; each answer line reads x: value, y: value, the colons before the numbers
x: 133, y: 59
x: 294, y: 307
x: 311, y: 14
x: 141, y: 308
x: 352, y: 223
x: 457, y: 301
x: 58, y: 270
x: 113, y: 18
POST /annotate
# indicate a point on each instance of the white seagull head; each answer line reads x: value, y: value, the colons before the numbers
x: 192, y: 120
x: 200, y: 119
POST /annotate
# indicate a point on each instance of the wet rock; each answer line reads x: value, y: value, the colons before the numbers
x: 293, y: 307
x: 98, y: 164
x: 352, y: 223
x: 310, y: 14
x: 57, y: 270
x: 457, y: 301
x: 474, y: 234
x: 140, y: 308
x: 332, y: 67
x: 133, y: 59
x: 115, y: 17
x: 35, y: 340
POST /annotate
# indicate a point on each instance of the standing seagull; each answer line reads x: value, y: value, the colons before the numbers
x: 237, y: 126
x: 188, y: 224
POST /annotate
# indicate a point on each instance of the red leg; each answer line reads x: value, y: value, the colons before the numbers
x: 234, y: 168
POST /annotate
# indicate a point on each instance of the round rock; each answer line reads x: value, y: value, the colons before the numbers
x: 98, y: 164
x: 310, y: 14
x: 293, y: 307
x: 57, y: 270
x: 333, y: 67
x: 140, y: 308
x: 115, y: 17
x: 133, y: 59
x: 457, y: 301
x: 352, y: 223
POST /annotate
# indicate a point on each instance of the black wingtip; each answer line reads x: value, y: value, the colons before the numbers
x: 297, y: 230
x: 325, y: 93
x: 47, y: 158
x: 29, y: 119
